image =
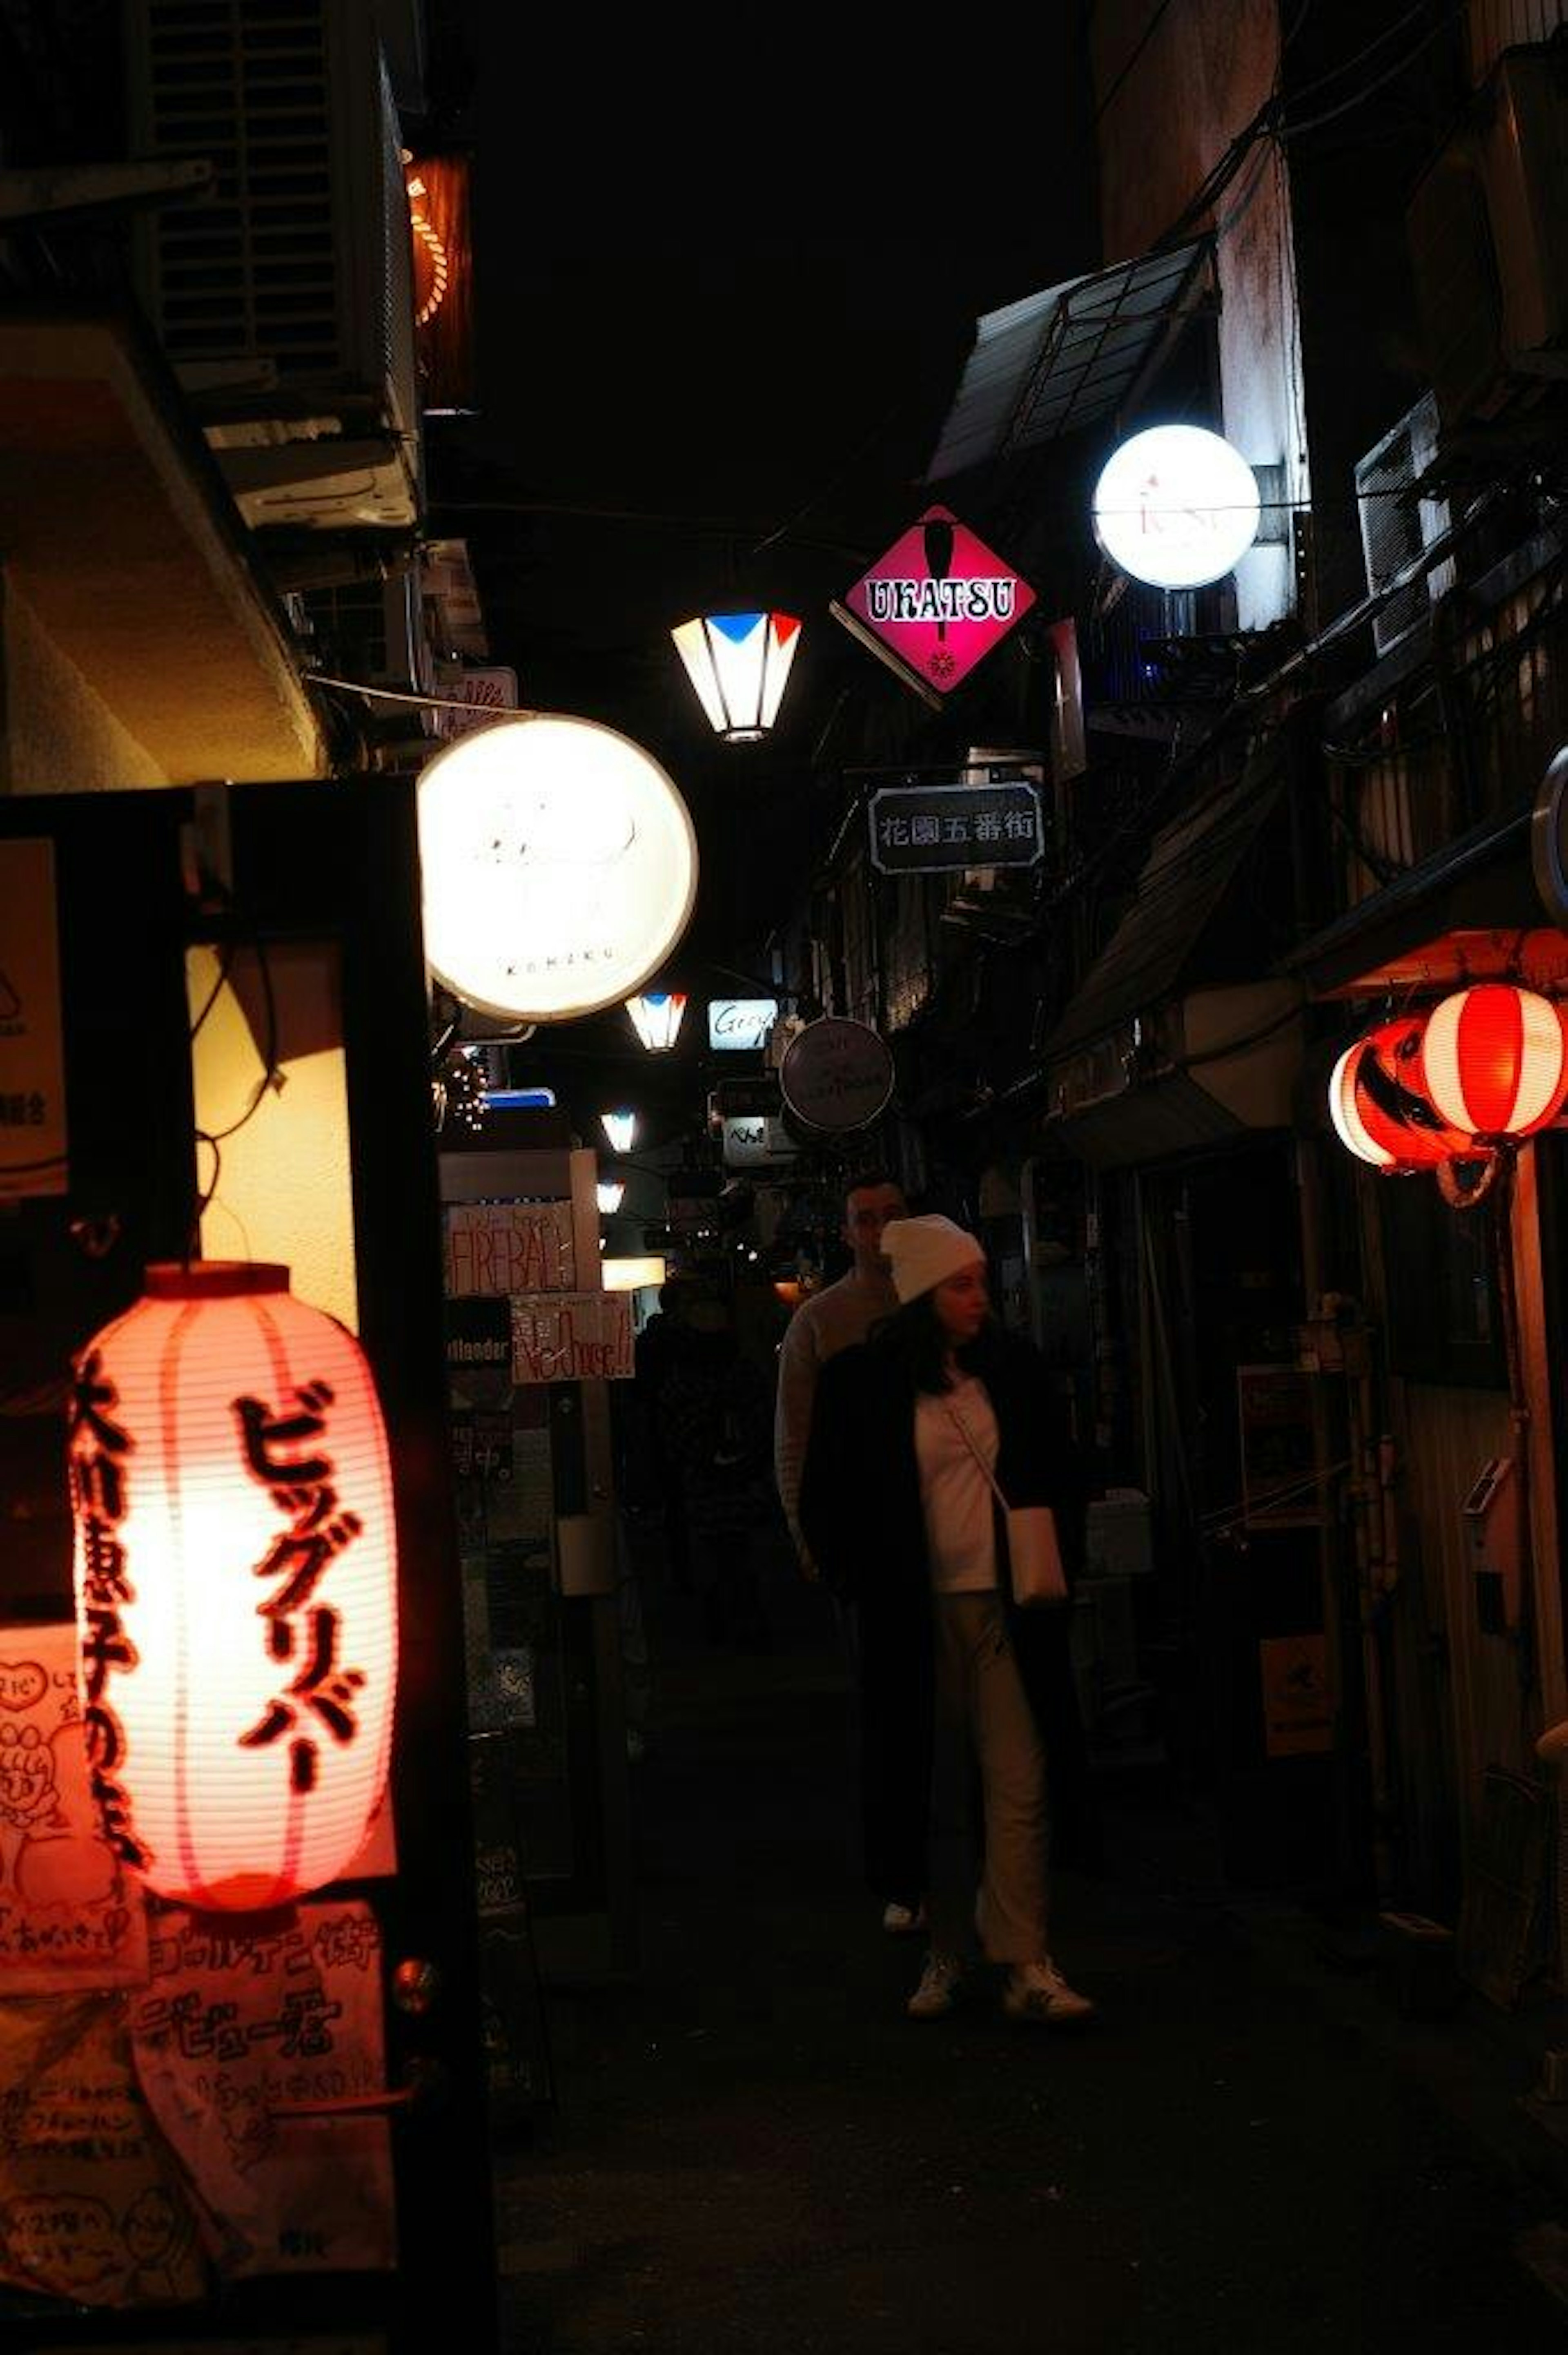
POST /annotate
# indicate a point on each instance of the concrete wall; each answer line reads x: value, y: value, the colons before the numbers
x: 1203, y: 76
x: 56, y: 735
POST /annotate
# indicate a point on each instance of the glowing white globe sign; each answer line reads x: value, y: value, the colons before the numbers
x: 1176, y: 507
x: 560, y: 868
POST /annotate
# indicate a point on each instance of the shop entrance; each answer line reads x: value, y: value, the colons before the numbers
x: 320, y: 2158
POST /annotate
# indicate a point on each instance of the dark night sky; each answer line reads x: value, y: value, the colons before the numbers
x: 716, y: 346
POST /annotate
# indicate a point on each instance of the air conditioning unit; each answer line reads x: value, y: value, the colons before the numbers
x: 1398, y: 522
x: 1489, y: 237
x: 286, y: 304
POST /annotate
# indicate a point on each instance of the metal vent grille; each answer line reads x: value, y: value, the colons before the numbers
x: 253, y: 277
x: 1397, y: 523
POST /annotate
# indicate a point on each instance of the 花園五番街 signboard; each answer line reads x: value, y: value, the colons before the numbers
x: 571, y: 1337
x: 922, y: 829
x: 935, y: 604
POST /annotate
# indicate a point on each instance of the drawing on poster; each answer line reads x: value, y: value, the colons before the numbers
x: 91, y: 2205
x: 70, y: 1918
x: 241, y: 2024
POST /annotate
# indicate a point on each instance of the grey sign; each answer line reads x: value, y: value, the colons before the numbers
x: 922, y: 829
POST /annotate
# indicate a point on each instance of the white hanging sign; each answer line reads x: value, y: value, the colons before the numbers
x: 1176, y: 507
x: 740, y: 1024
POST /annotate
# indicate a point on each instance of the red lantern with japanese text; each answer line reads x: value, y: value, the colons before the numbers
x: 236, y: 1586
x: 1496, y: 1059
x: 1379, y: 1102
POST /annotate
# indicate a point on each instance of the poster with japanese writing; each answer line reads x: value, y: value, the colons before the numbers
x: 241, y: 2034
x: 70, y: 1917
x: 92, y: 2206
x: 1298, y: 1706
x: 576, y: 1336
x: 32, y: 1055
x: 1278, y: 1408
x: 504, y: 1247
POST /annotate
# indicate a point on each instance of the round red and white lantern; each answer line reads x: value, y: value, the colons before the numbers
x: 1496, y: 1059
x: 1380, y: 1106
x: 236, y: 1586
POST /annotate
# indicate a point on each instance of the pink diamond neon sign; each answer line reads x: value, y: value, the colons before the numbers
x: 936, y: 604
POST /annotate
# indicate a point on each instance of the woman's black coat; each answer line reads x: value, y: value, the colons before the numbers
x: 860, y: 1510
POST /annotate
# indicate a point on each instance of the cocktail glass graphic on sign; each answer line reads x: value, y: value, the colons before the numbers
x: 936, y: 604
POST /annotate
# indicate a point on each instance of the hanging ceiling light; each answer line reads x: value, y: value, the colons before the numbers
x: 738, y: 663
x: 620, y: 1130
x: 609, y: 1193
x: 656, y: 1017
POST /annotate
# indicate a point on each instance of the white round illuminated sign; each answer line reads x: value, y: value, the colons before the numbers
x: 559, y: 864
x: 1176, y: 507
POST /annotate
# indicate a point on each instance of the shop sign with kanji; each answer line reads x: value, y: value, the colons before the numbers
x: 922, y: 829
x: 936, y: 604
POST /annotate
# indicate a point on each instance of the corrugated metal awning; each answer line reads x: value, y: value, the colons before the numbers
x: 1190, y: 867
x: 1065, y: 357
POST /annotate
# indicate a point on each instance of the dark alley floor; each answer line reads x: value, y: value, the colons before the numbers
x: 752, y: 2149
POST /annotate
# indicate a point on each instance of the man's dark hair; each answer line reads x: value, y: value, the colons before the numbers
x: 864, y: 1179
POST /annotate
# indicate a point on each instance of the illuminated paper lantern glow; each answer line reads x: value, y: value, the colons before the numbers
x: 739, y: 663
x: 1380, y: 1106
x: 235, y: 1563
x: 1496, y: 1059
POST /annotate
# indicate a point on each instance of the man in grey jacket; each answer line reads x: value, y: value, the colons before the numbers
x: 832, y: 1320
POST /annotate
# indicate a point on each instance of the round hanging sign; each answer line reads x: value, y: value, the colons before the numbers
x: 1176, y: 507
x: 836, y: 1074
x: 1548, y: 839
x: 559, y: 866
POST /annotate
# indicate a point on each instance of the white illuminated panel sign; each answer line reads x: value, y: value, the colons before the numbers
x: 738, y: 1024
x: 751, y: 1143
x: 559, y: 865
x: 1176, y: 507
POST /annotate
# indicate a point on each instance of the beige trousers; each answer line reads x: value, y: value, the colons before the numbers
x: 984, y: 1718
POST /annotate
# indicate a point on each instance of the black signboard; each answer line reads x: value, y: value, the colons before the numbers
x: 922, y: 829
x: 750, y: 1099
x: 479, y: 1332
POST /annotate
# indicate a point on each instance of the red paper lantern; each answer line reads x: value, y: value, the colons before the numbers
x: 1496, y: 1059
x: 1380, y: 1105
x: 236, y: 1586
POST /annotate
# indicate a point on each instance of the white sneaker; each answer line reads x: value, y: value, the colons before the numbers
x: 902, y: 1920
x: 1037, y: 1991
x: 934, y: 1996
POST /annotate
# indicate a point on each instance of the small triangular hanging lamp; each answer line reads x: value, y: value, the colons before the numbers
x: 738, y: 663
x: 656, y: 1017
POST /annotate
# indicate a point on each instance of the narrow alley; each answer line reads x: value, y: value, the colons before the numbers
x: 752, y: 2149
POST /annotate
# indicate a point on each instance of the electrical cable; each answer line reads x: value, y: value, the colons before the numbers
x: 1350, y: 65
x: 1147, y: 35
x: 1315, y: 122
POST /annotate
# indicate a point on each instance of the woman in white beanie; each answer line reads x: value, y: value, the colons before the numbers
x: 913, y: 1433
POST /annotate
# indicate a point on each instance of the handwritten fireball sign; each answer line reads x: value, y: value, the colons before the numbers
x: 936, y: 604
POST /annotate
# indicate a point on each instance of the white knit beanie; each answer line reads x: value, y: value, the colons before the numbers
x: 924, y: 1252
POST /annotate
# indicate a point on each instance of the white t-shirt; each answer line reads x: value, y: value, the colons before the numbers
x: 954, y: 1494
